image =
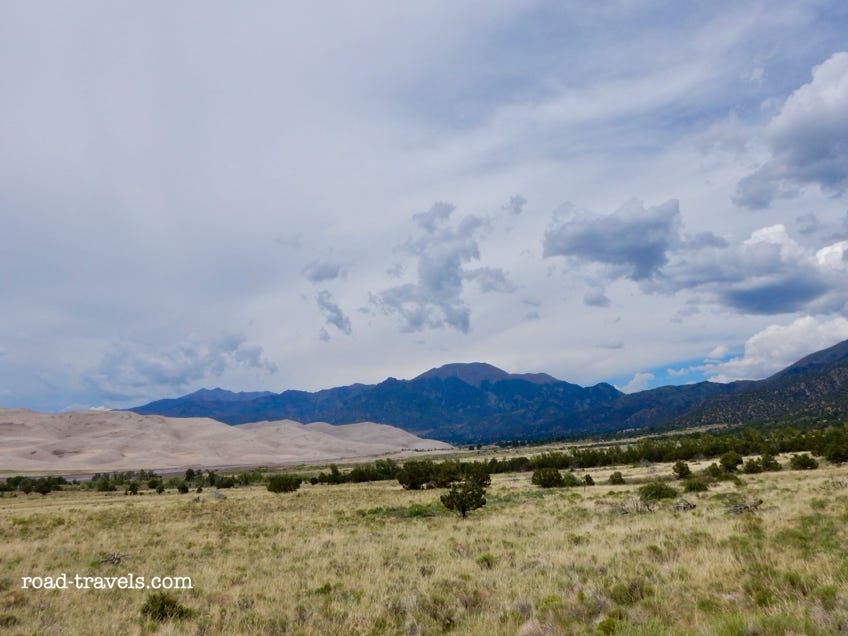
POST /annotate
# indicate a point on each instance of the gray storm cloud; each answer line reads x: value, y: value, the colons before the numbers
x: 129, y: 369
x: 634, y: 241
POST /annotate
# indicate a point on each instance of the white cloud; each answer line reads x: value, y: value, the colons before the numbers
x: 778, y: 346
x: 808, y: 138
x: 639, y: 382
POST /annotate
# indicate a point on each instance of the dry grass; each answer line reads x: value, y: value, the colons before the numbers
x: 360, y: 559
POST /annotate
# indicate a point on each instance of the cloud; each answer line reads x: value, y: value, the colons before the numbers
x: 633, y: 242
x: 132, y: 369
x: 768, y: 273
x: 777, y: 346
x: 491, y: 279
x: 435, y: 299
x: 639, y: 382
x: 595, y: 297
x: 319, y: 272
x: 808, y: 223
x: 808, y: 140
x: 333, y: 314
x: 515, y: 205
x: 438, y: 214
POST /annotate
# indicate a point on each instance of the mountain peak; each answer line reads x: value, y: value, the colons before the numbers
x: 475, y: 373
x: 222, y: 395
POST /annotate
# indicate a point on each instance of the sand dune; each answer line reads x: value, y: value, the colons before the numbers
x: 120, y: 440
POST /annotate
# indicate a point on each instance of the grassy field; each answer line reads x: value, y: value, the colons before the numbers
x: 375, y: 559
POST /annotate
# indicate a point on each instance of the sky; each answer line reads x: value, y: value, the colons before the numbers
x: 300, y: 195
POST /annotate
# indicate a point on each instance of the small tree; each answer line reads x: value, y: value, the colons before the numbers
x: 682, y: 470
x: 464, y: 496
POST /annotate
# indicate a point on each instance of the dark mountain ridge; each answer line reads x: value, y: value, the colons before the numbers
x: 477, y: 402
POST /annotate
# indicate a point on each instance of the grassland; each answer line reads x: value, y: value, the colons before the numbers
x: 375, y: 559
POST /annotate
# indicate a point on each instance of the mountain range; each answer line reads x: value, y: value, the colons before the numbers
x: 477, y: 402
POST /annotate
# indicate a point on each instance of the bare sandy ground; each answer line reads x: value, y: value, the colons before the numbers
x: 99, y: 441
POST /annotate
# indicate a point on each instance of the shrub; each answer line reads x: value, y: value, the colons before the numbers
x: 696, y: 484
x: 730, y: 460
x: 631, y: 592
x: 657, y: 490
x: 570, y: 480
x: 226, y: 482
x: 588, y: 481
x: 616, y: 479
x: 547, y: 478
x: 164, y: 607
x: 182, y: 488
x: 284, y: 483
x: 415, y: 474
x: 752, y: 466
x: 714, y: 471
x: 682, y: 470
x: 478, y: 472
x: 464, y: 496
x: 769, y: 463
x: 803, y: 462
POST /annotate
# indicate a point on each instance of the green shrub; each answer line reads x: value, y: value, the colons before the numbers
x: 769, y: 463
x: 547, y: 478
x: 570, y: 480
x: 696, y: 484
x: 803, y: 462
x: 588, y: 481
x: 284, y: 483
x: 616, y: 479
x: 631, y: 592
x: 415, y: 474
x: 657, y: 490
x: 226, y: 482
x: 730, y: 460
x: 681, y: 469
x: 164, y: 607
x: 752, y: 466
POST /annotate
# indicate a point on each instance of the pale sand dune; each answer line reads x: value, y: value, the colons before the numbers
x: 119, y: 440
